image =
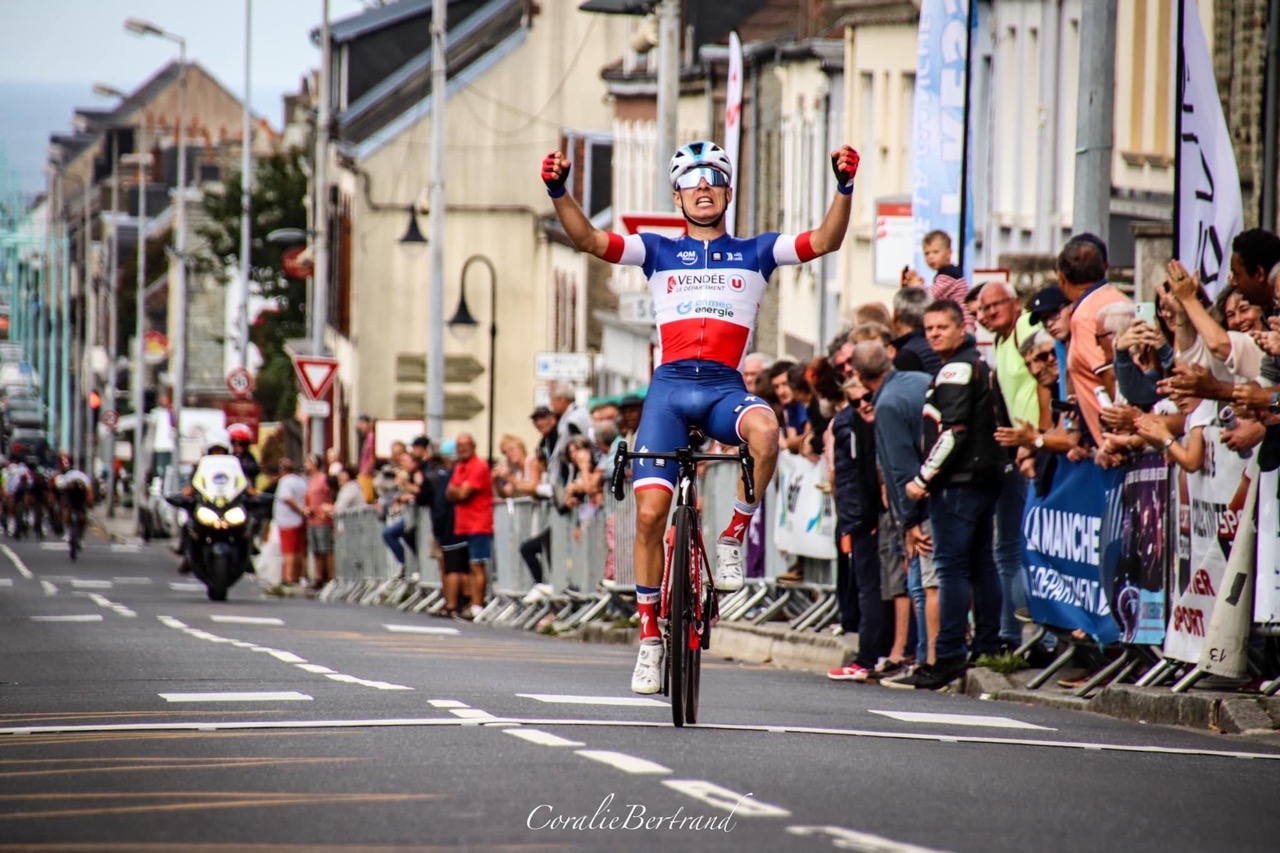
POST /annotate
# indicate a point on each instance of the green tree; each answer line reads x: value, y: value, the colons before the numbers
x: 277, y: 201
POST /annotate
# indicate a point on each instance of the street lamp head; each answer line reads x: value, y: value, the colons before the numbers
x: 287, y: 236
x: 142, y: 28
x: 412, y: 234
x: 462, y: 315
x: 102, y: 90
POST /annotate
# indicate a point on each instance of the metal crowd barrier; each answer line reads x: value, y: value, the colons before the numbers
x: 590, y: 567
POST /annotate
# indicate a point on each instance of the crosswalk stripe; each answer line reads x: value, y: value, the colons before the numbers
x: 421, y: 629
x: 960, y: 720
x: 542, y: 738
x: 86, y: 617
x: 247, y: 620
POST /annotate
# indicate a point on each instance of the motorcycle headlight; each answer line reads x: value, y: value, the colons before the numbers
x: 208, y: 517
x: 236, y: 515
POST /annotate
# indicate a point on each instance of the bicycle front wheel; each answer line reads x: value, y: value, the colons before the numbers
x: 683, y: 659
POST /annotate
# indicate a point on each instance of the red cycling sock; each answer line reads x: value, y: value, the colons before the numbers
x: 648, y: 621
x: 737, y: 528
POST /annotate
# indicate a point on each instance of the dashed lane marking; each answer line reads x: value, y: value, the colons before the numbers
x: 716, y: 796
x: 542, y: 738
x: 17, y: 562
x: 49, y: 587
x: 54, y: 546
x: 278, y: 654
x: 263, y: 696
x: 6, y: 581
x: 622, y: 761
x: 185, y: 586
x: 77, y: 583
x: 138, y: 581
x: 102, y: 601
x: 623, y: 701
x: 125, y: 548
x: 246, y: 620
x: 421, y: 629
x: 960, y: 720
x: 80, y: 617
x: 447, y: 703
x: 472, y: 714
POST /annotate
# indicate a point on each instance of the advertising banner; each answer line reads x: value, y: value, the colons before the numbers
x: 1138, y: 582
x: 1266, y: 604
x: 1064, y: 548
x: 938, y: 188
x: 805, y: 523
x: 1209, y: 505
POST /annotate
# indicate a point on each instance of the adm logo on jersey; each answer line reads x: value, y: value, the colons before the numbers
x: 688, y: 257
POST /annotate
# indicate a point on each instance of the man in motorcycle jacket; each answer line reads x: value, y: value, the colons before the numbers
x: 216, y: 443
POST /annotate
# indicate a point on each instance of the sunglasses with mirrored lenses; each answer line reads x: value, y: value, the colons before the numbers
x: 714, y: 177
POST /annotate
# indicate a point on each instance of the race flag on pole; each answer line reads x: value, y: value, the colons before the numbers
x: 733, y: 122
x: 1207, y: 212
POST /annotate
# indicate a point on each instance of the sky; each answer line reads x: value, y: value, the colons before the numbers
x: 53, y: 51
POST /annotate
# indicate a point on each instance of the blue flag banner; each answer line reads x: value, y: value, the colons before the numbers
x: 938, y: 158
x: 1065, y: 545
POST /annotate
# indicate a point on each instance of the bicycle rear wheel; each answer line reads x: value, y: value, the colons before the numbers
x: 684, y: 660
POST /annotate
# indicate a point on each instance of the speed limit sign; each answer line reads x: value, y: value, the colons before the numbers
x: 240, y: 382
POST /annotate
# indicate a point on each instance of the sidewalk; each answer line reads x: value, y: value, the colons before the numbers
x: 122, y: 528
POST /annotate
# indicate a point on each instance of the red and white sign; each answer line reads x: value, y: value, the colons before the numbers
x: 240, y: 382
x: 110, y: 418
x: 315, y: 374
x: 666, y: 224
x: 296, y: 262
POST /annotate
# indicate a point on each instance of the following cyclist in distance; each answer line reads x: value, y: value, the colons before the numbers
x: 75, y: 493
x: 706, y: 289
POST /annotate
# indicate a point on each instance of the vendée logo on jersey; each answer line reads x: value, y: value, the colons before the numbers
x: 680, y: 282
x: 688, y: 257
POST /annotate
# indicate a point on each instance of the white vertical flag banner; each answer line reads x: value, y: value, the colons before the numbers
x: 1208, y: 209
x: 733, y: 123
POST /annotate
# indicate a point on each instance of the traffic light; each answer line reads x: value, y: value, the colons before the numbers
x: 95, y: 408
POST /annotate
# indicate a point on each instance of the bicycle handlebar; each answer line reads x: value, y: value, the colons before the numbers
x: 683, y: 455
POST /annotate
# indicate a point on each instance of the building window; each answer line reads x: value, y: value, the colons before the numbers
x: 591, y: 181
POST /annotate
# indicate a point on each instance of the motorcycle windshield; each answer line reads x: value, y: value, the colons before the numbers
x: 219, y: 479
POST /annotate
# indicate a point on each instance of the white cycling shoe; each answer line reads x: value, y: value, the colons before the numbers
x: 728, y: 571
x: 647, y: 676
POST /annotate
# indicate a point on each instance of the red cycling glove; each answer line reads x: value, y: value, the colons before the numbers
x: 555, y: 184
x: 844, y: 162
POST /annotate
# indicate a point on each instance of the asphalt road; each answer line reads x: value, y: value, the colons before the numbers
x: 137, y: 715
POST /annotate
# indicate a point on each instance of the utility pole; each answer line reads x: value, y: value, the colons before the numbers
x: 139, y: 329
x: 179, y: 342
x: 320, y: 248
x: 668, y: 13
x: 113, y: 299
x: 1091, y: 207
x: 435, y: 308
x: 246, y: 189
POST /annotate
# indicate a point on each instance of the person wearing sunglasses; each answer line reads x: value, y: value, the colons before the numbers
x: 706, y: 288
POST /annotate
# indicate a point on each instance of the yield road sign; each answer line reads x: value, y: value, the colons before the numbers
x: 666, y: 223
x: 315, y: 374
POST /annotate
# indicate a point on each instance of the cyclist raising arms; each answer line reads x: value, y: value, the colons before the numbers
x: 706, y: 290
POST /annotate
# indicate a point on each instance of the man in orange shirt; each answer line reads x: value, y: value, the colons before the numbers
x: 1082, y: 275
x: 471, y: 493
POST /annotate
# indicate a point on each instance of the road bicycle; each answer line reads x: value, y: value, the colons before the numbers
x: 75, y: 533
x: 688, y: 601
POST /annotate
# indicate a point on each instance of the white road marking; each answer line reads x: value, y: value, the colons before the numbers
x: 286, y: 657
x: 103, y: 601
x: 84, y: 617
x: 421, y: 629
x: 185, y: 586
x: 740, y: 805
x: 542, y: 738
x: 560, y: 699
x: 960, y: 720
x: 17, y: 562
x: 77, y: 583
x: 447, y: 703
x: 622, y: 761
x: 861, y: 842
x: 280, y: 696
x: 429, y: 722
x: 6, y: 581
x: 49, y: 587
x: 247, y: 620
x: 132, y: 580
x: 53, y: 546
x: 472, y: 714
x: 124, y: 548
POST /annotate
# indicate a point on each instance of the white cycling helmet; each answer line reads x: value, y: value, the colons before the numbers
x: 697, y: 154
x: 217, y: 438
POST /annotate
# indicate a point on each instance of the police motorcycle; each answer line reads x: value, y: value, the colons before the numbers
x: 218, y: 506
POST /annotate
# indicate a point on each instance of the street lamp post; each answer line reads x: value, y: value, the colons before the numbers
x: 462, y: 317
x: 179, y: 336
x: 139, y: 329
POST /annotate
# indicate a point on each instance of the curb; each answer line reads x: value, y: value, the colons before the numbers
x: 1225, y: 713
